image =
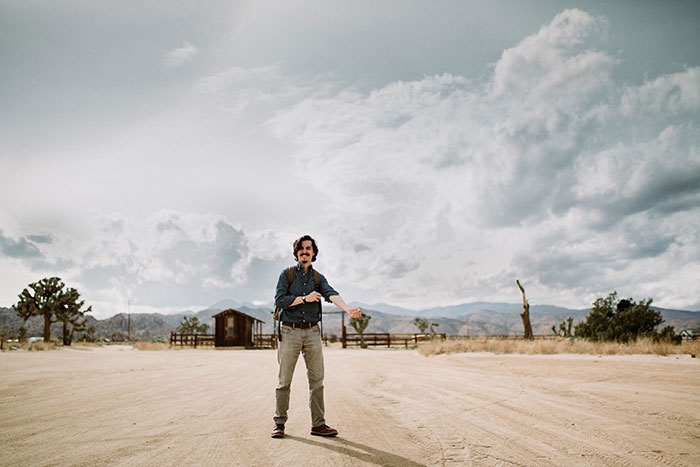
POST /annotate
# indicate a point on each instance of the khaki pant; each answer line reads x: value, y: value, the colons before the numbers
x: 308, y: 342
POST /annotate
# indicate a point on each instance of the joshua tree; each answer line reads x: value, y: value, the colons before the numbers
x: 569, y: 322
x: 192, y: 326
x: 72, y: 314
x: 50, y: 300
x: 360, y: 324
x: 564, y: 328
x: 422, y: 324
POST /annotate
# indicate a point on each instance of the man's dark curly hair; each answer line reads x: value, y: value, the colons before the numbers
x: 297, y: 246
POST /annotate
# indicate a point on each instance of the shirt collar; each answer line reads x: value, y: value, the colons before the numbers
x: 300, y: 268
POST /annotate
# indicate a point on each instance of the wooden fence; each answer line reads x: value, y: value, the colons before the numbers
x: 266, y: 341
x: 191, y: 339
x: 385, y: 339
x: 380, y: 339
x: 376, y: 339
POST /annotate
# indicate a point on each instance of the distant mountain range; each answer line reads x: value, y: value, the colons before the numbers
x: 480, y: 318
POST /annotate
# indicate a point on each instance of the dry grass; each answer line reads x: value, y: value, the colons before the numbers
x: 42, y: 346
x: 556, y: 346
x: 151, y: 346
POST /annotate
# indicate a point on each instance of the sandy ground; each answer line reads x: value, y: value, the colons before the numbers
x: 120, y: 406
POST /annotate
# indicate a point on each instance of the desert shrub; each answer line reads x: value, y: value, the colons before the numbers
x: 668, y: 334
x: 332, y: 338
x: 151, y: 346
x: 621, y: 321
x: 41, y: 346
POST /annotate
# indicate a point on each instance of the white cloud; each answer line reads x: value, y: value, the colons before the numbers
x: 259, y: 89
x: 550, y: 64
x: 236, y: 78
x: 448, y: 174
x: 672, y: 94
x: 181, y: 55
x: 422, y: 192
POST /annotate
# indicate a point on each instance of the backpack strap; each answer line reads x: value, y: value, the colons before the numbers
x: 277, y: 315
x: 317, y: 288
x: 317, y: 280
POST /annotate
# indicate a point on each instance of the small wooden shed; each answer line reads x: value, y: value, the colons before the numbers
x: 236, y: 329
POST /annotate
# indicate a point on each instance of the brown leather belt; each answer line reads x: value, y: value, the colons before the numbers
x: 305, y: 325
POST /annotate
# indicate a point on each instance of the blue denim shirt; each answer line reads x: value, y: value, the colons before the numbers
x: 303, y: 285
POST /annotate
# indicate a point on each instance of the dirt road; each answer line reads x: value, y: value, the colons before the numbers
x: 119, y: 406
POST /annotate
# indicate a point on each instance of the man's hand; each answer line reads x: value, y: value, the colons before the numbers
x: 313, y: 297
x: 354, y: 312
x: 340, y: 303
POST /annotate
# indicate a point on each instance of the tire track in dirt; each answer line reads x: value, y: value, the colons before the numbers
x: 514, y: 421
x: 119, y: 407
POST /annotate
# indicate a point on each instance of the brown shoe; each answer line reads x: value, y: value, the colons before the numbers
x: 324, y: 430
x: 278, y: 432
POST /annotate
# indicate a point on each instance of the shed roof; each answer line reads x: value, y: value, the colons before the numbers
x: 231, y: 311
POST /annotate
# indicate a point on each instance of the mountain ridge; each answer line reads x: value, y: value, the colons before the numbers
x: 477, y: 318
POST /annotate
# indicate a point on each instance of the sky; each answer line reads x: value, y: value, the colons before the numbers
x: 162, y: 156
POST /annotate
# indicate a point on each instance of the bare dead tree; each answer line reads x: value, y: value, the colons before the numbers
x: 525, y: 315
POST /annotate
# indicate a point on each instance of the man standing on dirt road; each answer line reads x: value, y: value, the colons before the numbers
x: 298, y: 296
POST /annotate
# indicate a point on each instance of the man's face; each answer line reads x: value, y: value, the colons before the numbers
x: 306, y: 252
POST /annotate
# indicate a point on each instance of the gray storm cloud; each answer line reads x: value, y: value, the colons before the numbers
x: 19, y: 248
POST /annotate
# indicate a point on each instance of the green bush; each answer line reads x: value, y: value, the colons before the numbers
x: 622, y: 321
x: 668, y: 334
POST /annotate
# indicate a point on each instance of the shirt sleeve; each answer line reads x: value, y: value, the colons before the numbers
x: 282, y: 296
x: 325, y: 288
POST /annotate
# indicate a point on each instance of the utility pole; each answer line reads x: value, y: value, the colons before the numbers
x: 128, y: 325
x: 344, y: 331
